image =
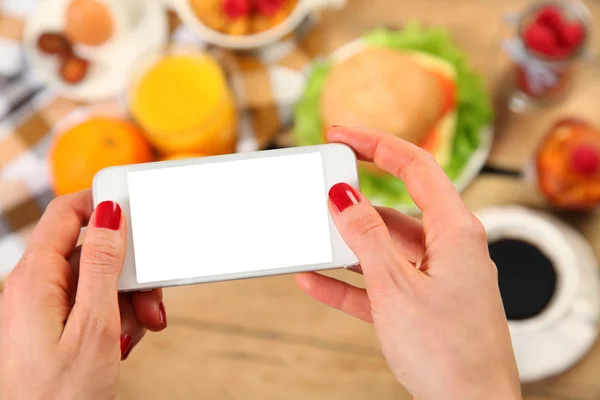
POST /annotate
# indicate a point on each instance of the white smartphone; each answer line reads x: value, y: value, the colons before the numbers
x: 229, y: 217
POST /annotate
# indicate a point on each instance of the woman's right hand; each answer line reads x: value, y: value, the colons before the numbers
x: 431, y: 287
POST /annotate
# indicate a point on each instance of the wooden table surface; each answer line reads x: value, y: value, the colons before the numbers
x: 262, y: 339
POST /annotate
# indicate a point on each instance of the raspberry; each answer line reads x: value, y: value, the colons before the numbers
x: 541, y: 39
x: 268, y: 8
x: 561, y: 52
x: 235, y: 9
x: 585, y: 160
x: 571, y: 35
x: 551, y: 17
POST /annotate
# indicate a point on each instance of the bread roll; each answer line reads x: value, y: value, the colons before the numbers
x: 383, y: 89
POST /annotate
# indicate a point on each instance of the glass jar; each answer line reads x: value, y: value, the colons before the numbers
x: 182, y: 99
x: 540, y: 79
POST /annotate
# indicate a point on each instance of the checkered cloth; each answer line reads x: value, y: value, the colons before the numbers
x: 29, y: 111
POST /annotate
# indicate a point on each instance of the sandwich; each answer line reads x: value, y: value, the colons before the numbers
x: 413, y: 84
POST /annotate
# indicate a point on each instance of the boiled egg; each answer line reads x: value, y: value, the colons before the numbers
x: 89, y: 22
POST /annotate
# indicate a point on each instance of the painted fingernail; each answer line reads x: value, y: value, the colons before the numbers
x: 343, y: 196
x: 108, y: 215
x: 162, y: 314
x: 125, y: 346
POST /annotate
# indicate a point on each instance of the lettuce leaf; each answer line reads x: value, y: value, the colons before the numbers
x: 474, y: 109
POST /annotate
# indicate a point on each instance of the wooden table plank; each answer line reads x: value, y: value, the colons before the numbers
x: 257, y: 339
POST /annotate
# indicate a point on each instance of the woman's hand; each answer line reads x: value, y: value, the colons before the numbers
x: 64, y: 328
x: 431, y: 287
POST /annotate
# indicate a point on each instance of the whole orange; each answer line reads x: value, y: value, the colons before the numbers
x: 99, y: 142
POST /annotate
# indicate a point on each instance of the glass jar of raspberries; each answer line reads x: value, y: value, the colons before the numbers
x: 551, y: 39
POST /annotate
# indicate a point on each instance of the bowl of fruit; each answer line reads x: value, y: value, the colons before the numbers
x: 246, y: 24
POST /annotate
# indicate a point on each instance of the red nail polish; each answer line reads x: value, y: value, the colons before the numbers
x: 343, y: 196
x: 125, y: 346
x: 162, y: 314
x: 108, y: 215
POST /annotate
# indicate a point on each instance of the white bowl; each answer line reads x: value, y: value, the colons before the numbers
x: 247, y: 42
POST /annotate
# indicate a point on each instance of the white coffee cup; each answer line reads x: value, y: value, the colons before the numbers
x: 556, y: 338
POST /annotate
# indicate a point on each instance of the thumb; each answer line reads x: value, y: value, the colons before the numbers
x: 101, y: 262
x: 364, y: 231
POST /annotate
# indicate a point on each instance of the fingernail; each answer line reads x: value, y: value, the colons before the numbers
x: 343, y: 196
x: 125, y: 346
x: 336, y: 126
x: 108, y: 215
x: 162, y: 314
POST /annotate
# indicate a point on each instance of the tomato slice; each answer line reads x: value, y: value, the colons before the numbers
x: 431, y: 141
x: 449, y: 90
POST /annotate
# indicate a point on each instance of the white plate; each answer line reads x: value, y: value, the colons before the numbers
x: 473, y: 167
x: 110, y: 65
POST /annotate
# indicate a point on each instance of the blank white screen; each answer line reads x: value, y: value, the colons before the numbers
x: 229, y: 217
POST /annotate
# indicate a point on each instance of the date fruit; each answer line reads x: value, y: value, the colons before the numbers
x: 74, y: 69
x: 54, y: 44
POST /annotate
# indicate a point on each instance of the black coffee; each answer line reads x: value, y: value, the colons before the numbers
x: 526, y: 276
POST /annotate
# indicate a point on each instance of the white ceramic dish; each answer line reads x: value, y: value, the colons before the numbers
x: 473, y: 167
x: 254, y: 41
x: 558, y: 337
x: 110, y: 63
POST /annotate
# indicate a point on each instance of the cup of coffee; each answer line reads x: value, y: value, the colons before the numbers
x: 547, y: 275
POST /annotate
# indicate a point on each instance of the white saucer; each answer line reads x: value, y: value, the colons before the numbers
x: 110, y: 67
x: 555, y: 340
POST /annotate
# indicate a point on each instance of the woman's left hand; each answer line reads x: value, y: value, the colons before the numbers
x: 63, y: 326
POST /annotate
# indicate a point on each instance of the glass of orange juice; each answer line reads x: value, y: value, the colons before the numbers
x: 181, y: 98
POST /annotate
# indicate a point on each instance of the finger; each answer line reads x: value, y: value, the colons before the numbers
x: 51, y: 242
x: 428, y: 185
x: 60, y: 226
x: 150, y: 310
x: 132, y: 330
x: 364, y: 231
x: 101, y: 261
x: 406, y: 232
x: 336, y: 294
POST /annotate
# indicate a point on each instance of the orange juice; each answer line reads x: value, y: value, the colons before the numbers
x: 184, y: 104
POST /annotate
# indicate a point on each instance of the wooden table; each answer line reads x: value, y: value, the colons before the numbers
x: 263, y: 339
